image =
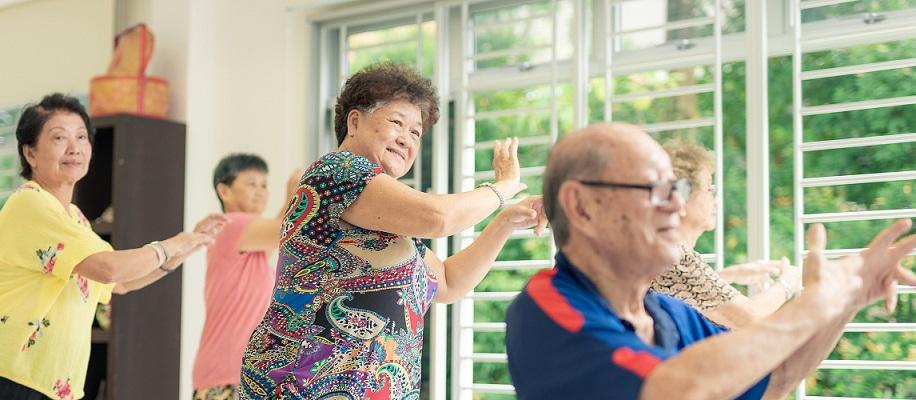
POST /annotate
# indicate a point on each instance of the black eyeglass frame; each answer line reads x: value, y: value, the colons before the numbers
x: 682, y: 187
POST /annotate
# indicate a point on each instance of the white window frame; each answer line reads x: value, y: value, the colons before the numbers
x: 770, y: 34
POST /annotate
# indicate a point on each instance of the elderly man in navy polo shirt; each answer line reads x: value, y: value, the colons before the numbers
x: 591, y: 329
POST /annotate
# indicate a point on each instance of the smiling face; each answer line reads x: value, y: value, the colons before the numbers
x: 247, y: 193
x: 388, y: 135
x: 62, y: 151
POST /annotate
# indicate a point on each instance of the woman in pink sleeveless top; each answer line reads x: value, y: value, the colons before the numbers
x: 239, y: 280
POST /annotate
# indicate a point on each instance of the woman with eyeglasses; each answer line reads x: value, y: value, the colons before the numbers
x: 692, y: 279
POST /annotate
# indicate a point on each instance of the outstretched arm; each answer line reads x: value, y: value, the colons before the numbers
x: 390, y: 206
x: 465, y: 269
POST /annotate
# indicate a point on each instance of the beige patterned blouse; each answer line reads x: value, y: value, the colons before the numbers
x: 695, y: 282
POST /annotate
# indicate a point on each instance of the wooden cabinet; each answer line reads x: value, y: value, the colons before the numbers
x: 138, y: 169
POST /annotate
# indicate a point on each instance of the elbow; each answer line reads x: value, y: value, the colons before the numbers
x: 100, y: 268
x: 120, y: 289
x: 439, y: 221
x: 107, y: 274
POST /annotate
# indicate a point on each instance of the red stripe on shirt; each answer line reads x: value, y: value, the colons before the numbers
x: 554, y: 304
x: 640, y: 363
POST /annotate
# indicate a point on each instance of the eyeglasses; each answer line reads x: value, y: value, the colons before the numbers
x: 660, y: 193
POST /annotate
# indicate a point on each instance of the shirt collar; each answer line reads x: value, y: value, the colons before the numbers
x: 666, y: 333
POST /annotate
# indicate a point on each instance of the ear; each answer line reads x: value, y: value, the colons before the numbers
x: 577, y: 207
x: 30, y: 157
x: 353, y: 118
x: 222, y: 190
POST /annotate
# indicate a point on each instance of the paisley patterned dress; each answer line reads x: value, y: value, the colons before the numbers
x: 346, y: 318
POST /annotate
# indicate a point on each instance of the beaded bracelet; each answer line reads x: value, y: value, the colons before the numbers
x: 502, y: 200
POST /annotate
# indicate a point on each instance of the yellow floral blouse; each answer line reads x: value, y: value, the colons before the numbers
x: 46, y: 310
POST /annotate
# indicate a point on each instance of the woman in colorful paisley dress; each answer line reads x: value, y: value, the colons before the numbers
x: 692, y: 279
x: 54, y: 269
x: 354, y: 280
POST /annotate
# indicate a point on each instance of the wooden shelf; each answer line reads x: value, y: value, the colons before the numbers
x: 137, y: 171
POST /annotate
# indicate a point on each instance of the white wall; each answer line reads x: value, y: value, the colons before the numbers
x: 53, y: 45
x: 237, y: 70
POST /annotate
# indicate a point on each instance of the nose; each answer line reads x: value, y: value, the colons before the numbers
x: 73, y: 147
x: 402, y: 140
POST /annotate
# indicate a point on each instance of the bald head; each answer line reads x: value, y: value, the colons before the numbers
x: 610, y: 151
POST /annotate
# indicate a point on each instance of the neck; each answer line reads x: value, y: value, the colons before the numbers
x: 624, y: 289
x: 62, y: 191
x: 689, y: 235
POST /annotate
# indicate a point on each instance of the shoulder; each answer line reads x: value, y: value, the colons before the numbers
x: 28, y: 197
x: 691, y: 324
x: 342, y: 165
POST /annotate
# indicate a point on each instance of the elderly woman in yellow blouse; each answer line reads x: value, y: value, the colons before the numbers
x: 53, y: 268
x: 694, y: 281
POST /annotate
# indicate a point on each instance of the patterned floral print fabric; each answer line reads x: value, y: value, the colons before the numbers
x: 346, y: 319
x: 223, y: 392
x: 693, y: 281
x: 46, y: 310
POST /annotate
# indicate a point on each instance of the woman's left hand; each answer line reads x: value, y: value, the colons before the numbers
x: 211, y: 224
x: 526, y: 213
x: 755, y: 273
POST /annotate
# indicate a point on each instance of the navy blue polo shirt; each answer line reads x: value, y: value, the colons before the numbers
x: 564, y: 340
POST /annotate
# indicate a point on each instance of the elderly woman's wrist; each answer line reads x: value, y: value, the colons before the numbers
x: 507, y: 188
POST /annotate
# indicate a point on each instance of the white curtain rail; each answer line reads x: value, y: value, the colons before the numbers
x: 862, y: 327
x: 807, y: 5
x: 858, y: 69
x: 492, y: 296
x: 490, y: 388
x: 843, y: 398
x: 522, y: 141
x: 389, y: 43
x: 886, y: 31
x: 522, y: 265
x: 508, y: 52
x: 864, y: 364
x: 695, y: 57
x: 859, y: 142
x: 518, y: 234
x: 526, y: 171
x: 680, y: 24
x: 709, y: 258
x: 835, y: 253
x: 510, y: 22
x: 858, y: 216
x: 507, y: 113
x: 859, y: 179
x: 675, y: 125
x: 486, y: 327
x: 857, y: 105
x: 487, y: 357
x: 673, y: 92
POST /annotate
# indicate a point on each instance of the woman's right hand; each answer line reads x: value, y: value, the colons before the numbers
x: 506, y: 168
x: 182, y: 245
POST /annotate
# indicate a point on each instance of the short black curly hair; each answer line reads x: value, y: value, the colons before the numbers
x: 381, y: 83
x: 35, y: 116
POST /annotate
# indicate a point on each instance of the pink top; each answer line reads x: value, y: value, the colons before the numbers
x: 237, y: 293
